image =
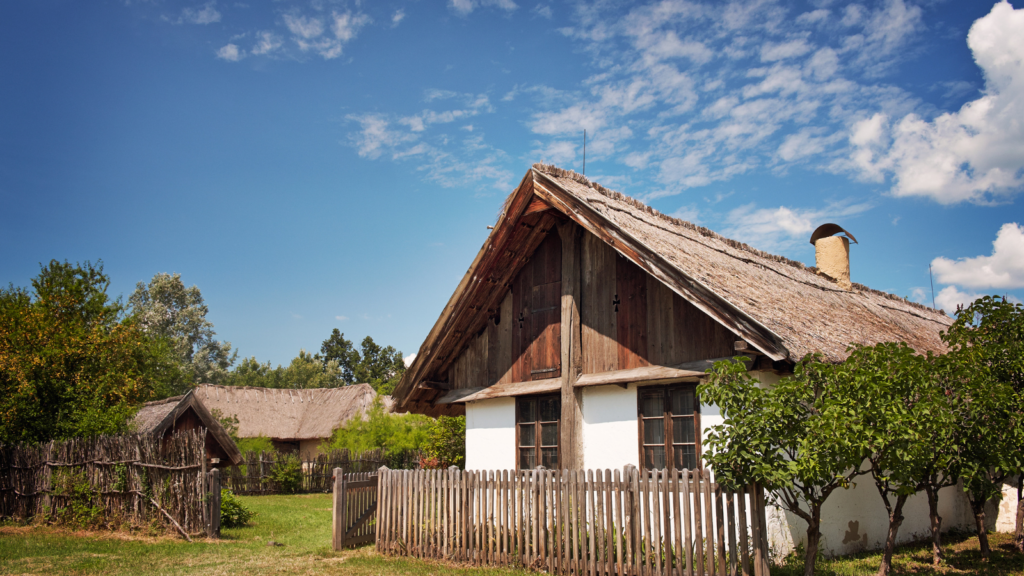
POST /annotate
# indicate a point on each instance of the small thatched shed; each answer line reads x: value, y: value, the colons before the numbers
x: 187, y: 412
x: 294, y: 420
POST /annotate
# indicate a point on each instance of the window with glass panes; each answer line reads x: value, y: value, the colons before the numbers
x: 537, y: 430
x: 669, y: 421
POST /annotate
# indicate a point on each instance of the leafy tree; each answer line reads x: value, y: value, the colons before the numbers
x: 167, y: 308
x: 987, y: 342
x: 903, y: 418
x: 794, y: 438
x: 249, y: 372
x: 305, y: 371
x: 340, y: 350
x: 379, y: 366
x: 72, y: 363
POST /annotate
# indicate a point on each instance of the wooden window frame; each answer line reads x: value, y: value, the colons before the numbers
x: 539, y: 442
x: 667, y: 415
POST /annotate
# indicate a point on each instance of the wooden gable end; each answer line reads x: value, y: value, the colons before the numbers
x: 632, y: 320
x: 521, y: 342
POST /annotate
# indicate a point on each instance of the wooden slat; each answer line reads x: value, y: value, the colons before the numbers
x: 571, y: 425
x: 617, y: 489
x: 597, y: 312
x: 514, y: 389
x: 744, y: 542
x: 645, y: 374
x: 698, y: 523
x: 720, y: 530
x: 631, y: 321
x: 709, y: 525
x: 677, y: 493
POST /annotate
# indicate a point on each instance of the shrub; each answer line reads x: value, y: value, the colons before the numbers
x: 287, y: 473
x: 232, y: 513
x: 257, y: 444
x: 81, y: 496
x: 446, y: 443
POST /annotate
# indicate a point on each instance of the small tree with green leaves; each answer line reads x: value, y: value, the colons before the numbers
x: 446, y: 442
x: 903, y: 419
x: 987, y: 342
x: 794, y: 438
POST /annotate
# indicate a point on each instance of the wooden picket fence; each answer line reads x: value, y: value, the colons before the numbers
x: 638, y: 522
x: 353, y: 515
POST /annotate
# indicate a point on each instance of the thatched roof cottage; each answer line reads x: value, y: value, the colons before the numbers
x: 578, y: 334
x: 294, y: 420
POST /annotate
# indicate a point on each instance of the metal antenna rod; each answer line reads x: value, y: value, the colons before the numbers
x: 584, y: 151
x: 932, y: 282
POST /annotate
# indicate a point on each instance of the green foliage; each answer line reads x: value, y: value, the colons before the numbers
x: 340, y: 350
x: 379, y: 366
x: 792, y: 438
x: 72, y: 363
x: 257, y: 444
x: 393, y: 433
x: 287, y: 473
x: 446, y: 443
x: 167, y: 309
x: 230, y: 423
x: 232, y: 513
x: 305, y: 371
x: 82, y: 507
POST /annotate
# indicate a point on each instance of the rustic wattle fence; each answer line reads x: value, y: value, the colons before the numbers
x: 255, y: 474
x: 109, y: 480
x: 670, y: 522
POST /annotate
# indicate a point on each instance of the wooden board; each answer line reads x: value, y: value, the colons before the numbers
x: 514, y: 389
x: 631, y: 318
x: 647, y: 374
x: 597, y: 311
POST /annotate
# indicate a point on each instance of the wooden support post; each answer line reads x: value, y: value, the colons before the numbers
x: 572, y: 351
x: 338, y: 511
x: 213, y: 526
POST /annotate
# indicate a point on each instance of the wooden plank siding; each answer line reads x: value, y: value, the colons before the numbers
x: 627, y: 320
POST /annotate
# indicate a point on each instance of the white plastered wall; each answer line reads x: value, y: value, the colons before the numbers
x: 491, y: 434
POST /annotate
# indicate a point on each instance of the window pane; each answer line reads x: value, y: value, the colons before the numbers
x: 682, y: 430
x: 527, y: 458
x: 527, y: 410
x: 682, y: 400
x: 549, y: 458
x: 527, y: 434
x: 653, y: 404
x: 686, y: 457
x: 654, y: 431
x: 549, y: 434
x: 549, y: 408
x: 654, y: 457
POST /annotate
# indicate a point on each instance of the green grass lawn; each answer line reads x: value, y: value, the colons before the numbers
x: 302, y: 524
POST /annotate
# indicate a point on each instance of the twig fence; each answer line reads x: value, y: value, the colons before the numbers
x: 255, y: 474
x: 638, y: 522
x: 110, y: 480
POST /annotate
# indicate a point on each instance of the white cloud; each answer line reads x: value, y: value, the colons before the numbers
x: 464, y: 7
x: 208, y: 14
x: 397, y: 17
x: 802, y: 144
x: 950, y: 297
x: 230, y: 53
x: 303, y: 27
x: 689, y: 213
x: 813, y: 17
x: 975, y: 154
x: 772, y: 51
x: 346, y: 26
x: 375, y: 135
x: 1004, y: 269
x: 542, y: 10
x: 777, y: 228
x: 266, y: 43
x: 409, y: 359
x: 558, y: 152
x: 341, y: 318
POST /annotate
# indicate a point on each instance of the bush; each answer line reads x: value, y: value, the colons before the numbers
x: 287, y: 473
x: 446, y: 443
x: 232, y: 513
x: 83, y: 507
x: 257, y: 444
x: 394, y: 433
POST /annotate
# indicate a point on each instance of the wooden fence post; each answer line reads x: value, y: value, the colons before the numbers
x: 338, y: 511
x: 213, y: 526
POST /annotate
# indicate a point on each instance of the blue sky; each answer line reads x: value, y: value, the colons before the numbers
x: 312, y: 165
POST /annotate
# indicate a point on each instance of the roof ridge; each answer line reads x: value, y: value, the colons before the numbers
x: 633, y: 202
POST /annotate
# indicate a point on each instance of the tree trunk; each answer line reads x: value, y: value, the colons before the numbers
x: 1018, y: 536
x: 979, y: 524
x: 936, y: 524
x: 895, y: 519
x: 813, y: 540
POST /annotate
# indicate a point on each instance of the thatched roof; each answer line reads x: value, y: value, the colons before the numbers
x: 781, y: 307
x: 286, y: 414
x: 158, y: 416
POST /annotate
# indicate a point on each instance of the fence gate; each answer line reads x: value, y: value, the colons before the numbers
x: 355, y: 509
